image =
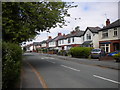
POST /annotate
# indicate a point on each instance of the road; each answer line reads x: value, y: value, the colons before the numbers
x: 47, y: 72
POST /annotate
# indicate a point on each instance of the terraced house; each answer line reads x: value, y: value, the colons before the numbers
x: 53, y: 43
x: 75, y: 38
x: 45, y: 43
x: 109, y: 36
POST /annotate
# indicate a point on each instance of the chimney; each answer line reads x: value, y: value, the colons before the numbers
x: 59, y: 34
x: 73, y: 32
x: 107, y: 22
x: 49, y: 37
x: 63, y: 34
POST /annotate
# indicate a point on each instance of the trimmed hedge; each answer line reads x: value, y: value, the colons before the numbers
x: 117, y: 57
x: 11, y: 64
x: 80, y: 52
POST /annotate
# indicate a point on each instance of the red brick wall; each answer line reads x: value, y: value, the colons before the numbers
x: 111, y: 44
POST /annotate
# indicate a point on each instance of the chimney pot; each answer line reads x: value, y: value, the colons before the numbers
x: 73, y: 32
x: 107, y: 22
x: 49, y: 37
x: 59, y: 34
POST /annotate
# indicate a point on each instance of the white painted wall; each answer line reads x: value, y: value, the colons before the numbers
x: 43, y: 45
x: 63, y: 42
x: 95, y: 41
x: 85, y: 35
x: 31, y: 48
x: 110, y: 35
x: 52, y: 44
x: 77, y: 40
x: 94, y: 38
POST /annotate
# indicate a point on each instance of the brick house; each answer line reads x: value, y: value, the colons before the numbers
x: 109, y: 36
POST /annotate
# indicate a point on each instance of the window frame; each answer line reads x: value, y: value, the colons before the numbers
x: 105, y: 34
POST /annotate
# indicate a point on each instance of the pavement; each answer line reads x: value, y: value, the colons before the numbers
x: 106, y: 64
x: 43, y: 71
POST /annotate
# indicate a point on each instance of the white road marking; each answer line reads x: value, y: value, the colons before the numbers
x: 46, y: 57
x: 106, y: 79
x: 51, y: 61
x: 70, y: 68
x: 49, y: 58
x: 42, y: 58
x: 52, y: 58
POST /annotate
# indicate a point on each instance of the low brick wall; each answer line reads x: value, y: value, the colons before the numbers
x: 106, y: 58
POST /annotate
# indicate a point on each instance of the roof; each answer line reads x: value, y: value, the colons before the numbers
x: 112, y: 25
x: 36, y: 43
x: 74, y: 34
x: 44, y: 41
x: 92, y: 29
x: 56, y: 38
x: 48, y: 40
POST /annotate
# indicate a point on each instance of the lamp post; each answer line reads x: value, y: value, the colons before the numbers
x: 47, y: 42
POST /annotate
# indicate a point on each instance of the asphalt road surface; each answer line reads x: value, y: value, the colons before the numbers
x: 48, y: 72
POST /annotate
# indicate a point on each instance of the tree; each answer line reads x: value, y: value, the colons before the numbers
x: 77, y: 28
x: 21, y: 21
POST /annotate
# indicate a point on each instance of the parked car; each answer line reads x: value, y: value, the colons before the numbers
x: 96, y: 53
x: 113, y: 53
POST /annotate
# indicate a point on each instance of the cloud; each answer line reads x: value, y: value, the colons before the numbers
x: 91, y: 14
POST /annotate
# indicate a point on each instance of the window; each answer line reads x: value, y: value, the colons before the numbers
x: 68, y: 40
x: 88, y: 36
x: 105, y: 34
x: 73, y: 39
x: 105, y: 47
x: 62, y: 41
x: 115, y: 32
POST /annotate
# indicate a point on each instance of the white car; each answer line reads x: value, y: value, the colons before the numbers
x: 96, y: 53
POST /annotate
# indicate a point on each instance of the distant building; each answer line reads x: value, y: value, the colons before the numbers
x: 109, y: 36
x: 75, y: 38
x: 53, y: 43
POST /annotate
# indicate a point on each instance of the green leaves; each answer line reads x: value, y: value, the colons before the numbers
x: 21, y: 20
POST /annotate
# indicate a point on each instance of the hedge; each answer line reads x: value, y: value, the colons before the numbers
x: 117, y: 57
x: 80, y: 52
x: 11, y: 64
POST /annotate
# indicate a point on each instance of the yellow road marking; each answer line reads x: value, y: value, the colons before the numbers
x: 42, y: 81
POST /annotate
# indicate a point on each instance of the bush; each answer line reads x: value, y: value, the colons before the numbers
x: 117, y: 57
x: 11, y: 64
x: 80, y: 52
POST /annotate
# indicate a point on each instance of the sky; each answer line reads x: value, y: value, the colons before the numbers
x: 89, y: 14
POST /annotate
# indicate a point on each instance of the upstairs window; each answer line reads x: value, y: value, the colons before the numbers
x: 73, y: 39
x: 68, y: 40
x: 115, y: 32
x: 105, y: 34
x: 62, y: 41
x: 88, y: 36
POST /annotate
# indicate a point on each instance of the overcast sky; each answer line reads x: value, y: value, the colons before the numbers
x: 91, y: 14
